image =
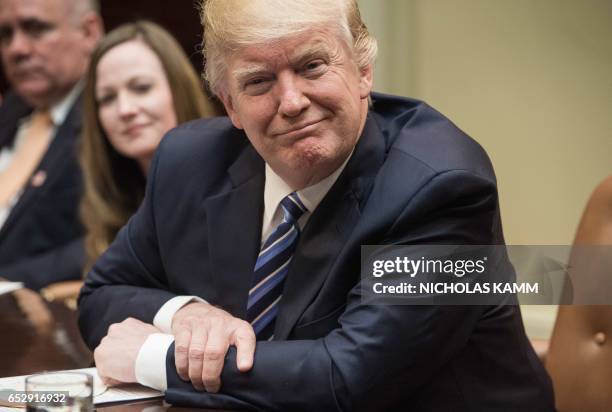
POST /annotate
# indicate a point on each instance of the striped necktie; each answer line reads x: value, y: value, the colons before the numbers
x: 271, y: 268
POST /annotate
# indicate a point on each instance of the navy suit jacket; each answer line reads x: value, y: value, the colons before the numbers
x: 40, y: 241
x: 414, y: 178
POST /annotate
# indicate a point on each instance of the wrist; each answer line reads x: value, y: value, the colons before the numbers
x: 165, y: 315
x: 192, y: 309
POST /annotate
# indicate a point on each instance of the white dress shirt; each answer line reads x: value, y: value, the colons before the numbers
x: 58, y: 113
x: 150, y: 368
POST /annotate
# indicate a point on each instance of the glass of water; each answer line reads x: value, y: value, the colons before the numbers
x: 59, y: 392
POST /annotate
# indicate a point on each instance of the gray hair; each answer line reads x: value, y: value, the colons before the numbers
x: 78, y: 8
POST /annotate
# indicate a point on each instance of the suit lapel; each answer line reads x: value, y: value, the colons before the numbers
x: 11, y: 112
x: 234, y: 230
x: 51, y: 164
x: 329, y: 228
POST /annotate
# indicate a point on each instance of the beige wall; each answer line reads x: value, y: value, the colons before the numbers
x: 531, y: 80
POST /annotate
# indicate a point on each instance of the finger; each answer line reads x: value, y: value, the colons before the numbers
x: 214, y: 357
x: 181, y: 353
x: 99, y: 355
x: 196, y: 356
x: 106, y: 381
x: 245, y: 342
x: 114, y: 329
x: 110, y: 381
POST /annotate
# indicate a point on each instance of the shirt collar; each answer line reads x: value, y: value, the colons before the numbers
x: 276, y: 189
x: 60, y: 110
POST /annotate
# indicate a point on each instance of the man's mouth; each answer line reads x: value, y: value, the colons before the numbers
x: 302, y: 128
x: 26, y: 73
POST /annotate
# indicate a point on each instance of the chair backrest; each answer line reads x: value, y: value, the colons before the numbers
x: 579, y: 359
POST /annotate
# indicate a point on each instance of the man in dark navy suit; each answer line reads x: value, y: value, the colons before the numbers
x: 236, y: 285
x: 45, y: 47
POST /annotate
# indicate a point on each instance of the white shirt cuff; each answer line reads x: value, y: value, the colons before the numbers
x: 163, y: 318
x: 150, y: 368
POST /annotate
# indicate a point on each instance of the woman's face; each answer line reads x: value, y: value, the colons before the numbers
x: 134, y: 100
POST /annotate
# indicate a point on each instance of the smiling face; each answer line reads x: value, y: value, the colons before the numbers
x: 44, y: 47
x: 134, y: 100
x: 302, y: 102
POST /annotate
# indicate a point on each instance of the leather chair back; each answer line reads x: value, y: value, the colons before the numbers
x: 579, y: 358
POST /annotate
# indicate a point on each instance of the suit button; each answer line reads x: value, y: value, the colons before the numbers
x: 600, y: 338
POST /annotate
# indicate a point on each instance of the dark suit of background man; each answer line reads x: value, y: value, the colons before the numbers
x: 301, y: 135
x: 45, y: 47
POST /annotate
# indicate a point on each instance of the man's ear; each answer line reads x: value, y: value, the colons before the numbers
x: 365, y: 81
x: 229, y: 108
x: 92, y: 28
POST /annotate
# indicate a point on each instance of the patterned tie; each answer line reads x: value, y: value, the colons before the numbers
x: 271, y: 269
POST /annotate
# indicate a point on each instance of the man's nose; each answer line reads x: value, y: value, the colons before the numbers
x: 292, y: 100
x: 19, y: 45
x: 126, y: 107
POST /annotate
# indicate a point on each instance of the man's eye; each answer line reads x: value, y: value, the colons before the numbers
x: 255, y: 82
x: 36, y: 29
x: 257, y: 85
x: 6, y: 33
x: 314, y: 67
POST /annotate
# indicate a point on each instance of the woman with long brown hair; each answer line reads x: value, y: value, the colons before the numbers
x: 139, y: 85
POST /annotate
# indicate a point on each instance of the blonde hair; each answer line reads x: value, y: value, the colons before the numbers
x: 114, y: 184
x: 230, y: 25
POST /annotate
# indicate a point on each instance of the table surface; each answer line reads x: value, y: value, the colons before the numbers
x: 38, y: 335
x: 42, y: 336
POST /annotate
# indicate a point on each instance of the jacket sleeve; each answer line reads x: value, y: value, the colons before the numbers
x: 379, y: 353
x: 62, y: 263
x: 128, y: 279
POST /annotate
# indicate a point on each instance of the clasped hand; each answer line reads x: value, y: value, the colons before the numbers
x: 203, y: 334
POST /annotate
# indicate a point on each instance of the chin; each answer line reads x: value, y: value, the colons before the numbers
x: 32, y: 94
x: 316, y: 158
x: 132, y: 152
x: 308, y: 153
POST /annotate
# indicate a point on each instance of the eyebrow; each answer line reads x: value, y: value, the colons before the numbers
x: 133, y: 79
x: 28, y: 23
x: 316, y: 50
x: 243, y: 73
